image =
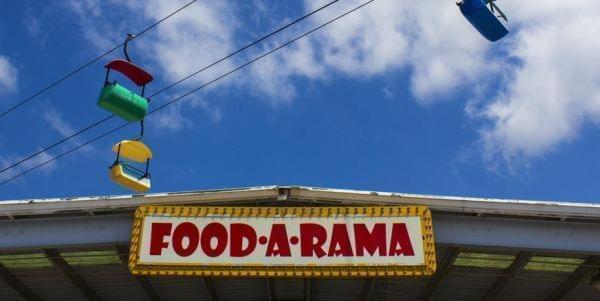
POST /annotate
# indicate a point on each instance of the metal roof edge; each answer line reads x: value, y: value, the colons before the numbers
x: 457, y: 204
x: 91, y: 204
x: 436, y: 203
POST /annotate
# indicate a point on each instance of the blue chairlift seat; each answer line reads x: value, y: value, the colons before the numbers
x: 483, y: 19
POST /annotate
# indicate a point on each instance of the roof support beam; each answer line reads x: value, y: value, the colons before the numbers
x: 17, y: 285
x: 441, y: 273
x: 123, y: 253
x: 520, y: 261
x: 270, y: 284
x: 517, y: 234
x: 583, y: 272
x: 469, y: 231
x: 59, y: 262
x: 307, y: 289
x: 368, y: 290
x: 210, y: 288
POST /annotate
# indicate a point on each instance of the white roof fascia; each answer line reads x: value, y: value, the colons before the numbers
x: 342, y: 196
x: 91, y: 204
x: 455, y: 204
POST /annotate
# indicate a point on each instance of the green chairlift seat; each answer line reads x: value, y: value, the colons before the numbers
x: 120, y: 100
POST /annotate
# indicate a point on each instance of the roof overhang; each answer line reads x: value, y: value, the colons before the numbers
x: 466, y: 222
x: 58, y: 229
x: 447, y: 204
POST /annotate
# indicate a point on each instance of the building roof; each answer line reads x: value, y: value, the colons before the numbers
x: 76, y: 248
x: 488, y: 206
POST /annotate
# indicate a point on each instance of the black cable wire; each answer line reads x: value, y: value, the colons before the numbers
x: 50, y: 86
x: 247, y: 46
x: 21, y: 161
x: 93, y: 125
x: 190, y: 92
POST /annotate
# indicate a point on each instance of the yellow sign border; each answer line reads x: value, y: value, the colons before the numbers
x: 284, y: 271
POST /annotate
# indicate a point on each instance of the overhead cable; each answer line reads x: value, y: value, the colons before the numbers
x: 107, y: 118
x: 190, y: 92
x: 90, y: 62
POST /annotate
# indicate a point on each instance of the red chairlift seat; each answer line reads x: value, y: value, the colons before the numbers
x: 134, y: 72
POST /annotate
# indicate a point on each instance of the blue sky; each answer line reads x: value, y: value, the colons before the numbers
x: 400, y: 96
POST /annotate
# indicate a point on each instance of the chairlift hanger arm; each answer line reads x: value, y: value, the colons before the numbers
x: 494, y: 8
x: 129, y: 38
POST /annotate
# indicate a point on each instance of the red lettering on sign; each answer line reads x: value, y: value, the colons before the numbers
x: 190, y: 231
x: 371, y: 241
x: 314, y: 239
x: 340, y: 241
x: 214, y: 230
x: 239, y: 232
x: 279, y: 239
x: 400, y: 243
x: 308, y: 234
x: 157, y: 238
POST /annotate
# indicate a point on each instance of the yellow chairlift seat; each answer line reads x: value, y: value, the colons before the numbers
x: 119, y: 175
x: 127, y: 175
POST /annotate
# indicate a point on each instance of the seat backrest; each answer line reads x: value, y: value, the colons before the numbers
x: 486, y: 23
x: 121, y: 177
x: 133, y: 150
x: 134, y: 72
x: 132, y: 171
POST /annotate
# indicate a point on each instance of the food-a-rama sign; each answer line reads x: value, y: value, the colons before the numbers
x: 282, y: 241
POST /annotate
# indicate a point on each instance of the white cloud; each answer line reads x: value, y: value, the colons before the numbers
x: 194, y: 38
x: 366, y: 42
x: 56, y: 121
x: 548, y: 84
x: 541, y: 84
x: 8, y: 75
x: 5, y: 161
x: 33, y: 25
x: 213, y: 112
x: 93, y: 27
x: 554, y: 90
x: 170, y: 119
x: 431, y: 38
x: 272, y: 76
x: 177, y: 117
x: 388, y: 93
x: 35, y: 28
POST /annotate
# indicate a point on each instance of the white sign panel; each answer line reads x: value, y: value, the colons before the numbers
x: 281, y: 239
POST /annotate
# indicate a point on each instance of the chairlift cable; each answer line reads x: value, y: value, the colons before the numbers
x: 191, y: 91
x: 245, y: 47
x: 107, y: 52
x: 97, y: 123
